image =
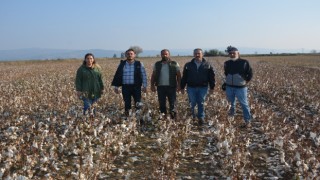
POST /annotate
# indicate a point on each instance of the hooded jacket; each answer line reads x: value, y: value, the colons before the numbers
x: 89, y: 81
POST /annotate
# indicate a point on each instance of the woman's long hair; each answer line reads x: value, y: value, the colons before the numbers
x: 85, y: 57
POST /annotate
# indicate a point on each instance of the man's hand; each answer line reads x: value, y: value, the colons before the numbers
x: 79, y: 93
x: 178, y: 88
x: 144, y: 89
x: 153, y: 88
x: 116, y: 90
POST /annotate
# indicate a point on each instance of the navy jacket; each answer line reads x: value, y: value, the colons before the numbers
x: 203, y: 76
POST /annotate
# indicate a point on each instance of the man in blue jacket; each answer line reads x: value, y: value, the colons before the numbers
x: 199, y: 76
x: 238, y: 73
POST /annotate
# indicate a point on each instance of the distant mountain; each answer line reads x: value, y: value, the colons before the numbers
x: 44, y: 54
x: 47, y: 54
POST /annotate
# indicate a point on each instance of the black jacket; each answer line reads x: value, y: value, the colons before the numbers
x: 198, y: 77
x: 238, y: 72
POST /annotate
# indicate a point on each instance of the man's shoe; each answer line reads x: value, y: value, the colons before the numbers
x: 246, y: 125
x: 230, y: 113
x: 127, y: 113
x: 173, y: 114
x: 201, y: 121
x: 142, y: 121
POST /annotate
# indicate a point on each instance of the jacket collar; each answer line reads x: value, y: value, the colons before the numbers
x: 203, y: 60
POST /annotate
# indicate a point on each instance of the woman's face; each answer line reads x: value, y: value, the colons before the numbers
x: 89, y: 61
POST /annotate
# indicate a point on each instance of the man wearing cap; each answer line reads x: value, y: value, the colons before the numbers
x: 238, y: 73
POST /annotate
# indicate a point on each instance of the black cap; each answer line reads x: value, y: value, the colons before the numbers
x: 230, y: 49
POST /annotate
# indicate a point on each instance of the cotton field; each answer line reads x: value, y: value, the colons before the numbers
x: 45, y: 136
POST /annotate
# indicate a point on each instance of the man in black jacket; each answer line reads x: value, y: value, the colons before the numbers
x: 131, y: 75
x: 199, y: 76
x: 238, y: 73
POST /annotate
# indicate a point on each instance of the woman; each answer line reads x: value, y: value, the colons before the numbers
x: 89, y: 84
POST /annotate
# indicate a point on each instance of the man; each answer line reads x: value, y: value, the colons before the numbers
x: 166, y: 76
x: 238, y: 73
x: 198, y: 75
x: 131, y: 75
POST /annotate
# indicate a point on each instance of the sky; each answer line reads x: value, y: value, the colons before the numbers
x: 159, y: 24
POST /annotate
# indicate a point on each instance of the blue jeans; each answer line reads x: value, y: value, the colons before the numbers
x: 87, y: 103
x: 197, y: 96
x: 129, y: 91
x: 241, y: 95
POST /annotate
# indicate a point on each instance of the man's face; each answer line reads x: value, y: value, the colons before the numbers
x: 165, y: 55
x: 198, y: 55
x: 130, y: 55
x: 234, y: 54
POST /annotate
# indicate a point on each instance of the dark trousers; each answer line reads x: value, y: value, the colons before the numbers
x: 129, y: 91
x: 163, y: 93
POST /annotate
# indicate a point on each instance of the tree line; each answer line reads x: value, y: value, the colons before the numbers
x: 211, y: 52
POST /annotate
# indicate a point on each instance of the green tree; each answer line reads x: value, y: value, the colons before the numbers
x: 137, y: 49
x: 123, y: 55
x: 313, y: 51
x: 213, y: 52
